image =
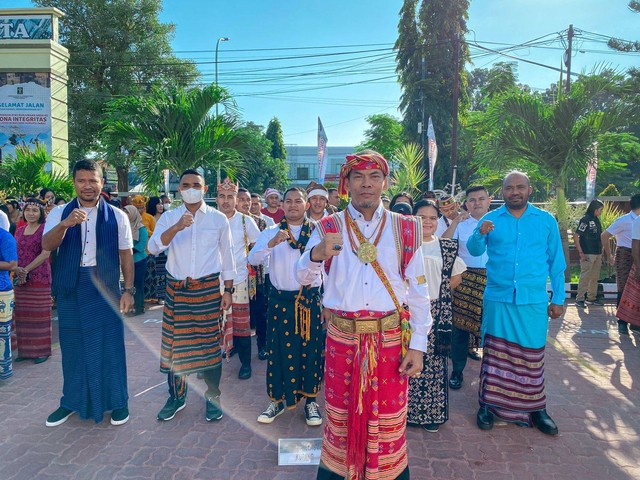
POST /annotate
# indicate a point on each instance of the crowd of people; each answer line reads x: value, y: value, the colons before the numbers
x: 367, y: 303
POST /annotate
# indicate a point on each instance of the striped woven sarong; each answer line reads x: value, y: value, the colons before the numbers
x: 629, y: 308
x: 296, y: 364
x: 94, y: 364
x: 624, y: 260
x: 467, y: 302
x: 32, y: 317
x: 190, y: 325
x: 366, y: 402
x: 236, y: 321
x: 512, y: 379
x: 6, y: 312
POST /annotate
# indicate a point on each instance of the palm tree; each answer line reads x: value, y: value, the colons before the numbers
x: 407, y: 175
x: 174, y: 129
x: 557, y: 139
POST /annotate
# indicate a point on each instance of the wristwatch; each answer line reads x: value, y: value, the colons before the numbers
x: 231, y: 290
x: 131, y: 290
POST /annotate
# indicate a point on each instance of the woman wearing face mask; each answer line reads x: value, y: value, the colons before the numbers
x: 32, y: 291
x: 428, y: 394
x: 155, y: 207
x: 149, y: 222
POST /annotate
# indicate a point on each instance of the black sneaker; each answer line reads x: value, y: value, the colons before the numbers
x: 170, y: 409
x: 213, y: 411
x: 455, y: 382
x: 58, y: 417
x: 273, y: 410
x: 263, y: 354
x: 431, y: 427
x: 623, y: 328
x: 312, y: 412
x: 580, y: 303
x: 596, y: 302
x: 245, y: 372
x: 120, y: 416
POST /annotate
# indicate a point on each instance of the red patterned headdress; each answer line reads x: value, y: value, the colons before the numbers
x: 368, y: 160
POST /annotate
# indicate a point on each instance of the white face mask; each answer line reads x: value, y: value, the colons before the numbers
x: 191, y: 195
x: 167, y: 206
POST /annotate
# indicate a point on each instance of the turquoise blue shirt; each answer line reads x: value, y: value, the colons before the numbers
x: 523, y: 253
x: 140, y: 246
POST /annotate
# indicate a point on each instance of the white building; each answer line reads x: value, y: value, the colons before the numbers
x: 303, y: 163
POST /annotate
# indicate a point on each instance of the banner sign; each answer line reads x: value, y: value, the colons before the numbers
x: 25, y: 111
x: 432, y: 152
x: 322, y: 152
x: 26, y: 27
x: 592, y: 168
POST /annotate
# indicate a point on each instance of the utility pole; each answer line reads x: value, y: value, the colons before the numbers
x: 567, y: 57
x: 422, y: 131
x: 456, y: 95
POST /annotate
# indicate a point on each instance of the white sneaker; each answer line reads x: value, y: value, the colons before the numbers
x: 312, y: 412
x: 273, y: 410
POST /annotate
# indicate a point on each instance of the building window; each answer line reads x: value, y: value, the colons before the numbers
x: 302, y: 173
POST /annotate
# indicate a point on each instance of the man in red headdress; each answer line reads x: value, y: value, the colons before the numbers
x: 375, y: 274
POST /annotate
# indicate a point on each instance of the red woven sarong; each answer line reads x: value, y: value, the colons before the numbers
x: 366, y: 402
x: 629, y: 308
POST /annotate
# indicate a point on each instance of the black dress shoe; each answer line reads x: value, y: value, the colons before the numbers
x: 623, y: 328
x: 473, y: 355
x: 484, y: 418
x: 544, y: 422
x: 245, y: 372
x: 263, y: 354
x: 455, y: 382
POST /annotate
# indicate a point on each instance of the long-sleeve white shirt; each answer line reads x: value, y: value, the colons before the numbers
x: 202, y: 249
x: 464, y: 230
x: 282, y: 259
x: 352, y: 285
x: 241, y: 242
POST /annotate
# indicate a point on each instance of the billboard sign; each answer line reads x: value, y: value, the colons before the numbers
x: 26, y: 27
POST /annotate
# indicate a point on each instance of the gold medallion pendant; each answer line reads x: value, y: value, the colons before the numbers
x: 367, y: 252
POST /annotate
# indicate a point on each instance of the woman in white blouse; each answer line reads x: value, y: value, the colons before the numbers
x: 428, y: 394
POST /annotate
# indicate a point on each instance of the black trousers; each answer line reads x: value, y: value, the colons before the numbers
x: 258, y: 315
x: 459, y: 349
x: 139, y: 272
x: 242, y: 346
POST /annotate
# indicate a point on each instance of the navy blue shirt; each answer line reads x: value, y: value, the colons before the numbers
x: 8, y: 253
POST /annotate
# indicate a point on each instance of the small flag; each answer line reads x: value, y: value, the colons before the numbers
x: 432, y: 152
x: 592, y: 168
x: 322, y: 152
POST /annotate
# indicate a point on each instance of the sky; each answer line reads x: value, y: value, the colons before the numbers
x: 298, y: 60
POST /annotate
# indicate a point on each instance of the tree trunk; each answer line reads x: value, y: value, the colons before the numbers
x: 123, y: 179
x: 563, y: 225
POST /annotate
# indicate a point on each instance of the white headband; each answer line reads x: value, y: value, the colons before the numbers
x: 318, y: 191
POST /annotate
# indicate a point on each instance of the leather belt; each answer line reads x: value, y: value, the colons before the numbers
x: 366, y: 325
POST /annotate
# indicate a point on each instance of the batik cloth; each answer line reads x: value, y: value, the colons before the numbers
x: 91, y: 331
x: 6, y: 312
x: 236, y: 321
x: 467, y: 302
x: 624, y: 260
x: 366, y: 403
x: 190, y: 325
x: 629, y: 308
x: 296, y: 352
x: 512, y: 369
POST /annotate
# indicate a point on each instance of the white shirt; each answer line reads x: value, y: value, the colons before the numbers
x: 621, y: 229
x: 282, y: 259
x: 88, y: 231
x: 4, y: 221
x: 352, y: 285
x: 240, y: 243
x: 443, y: 224
x: 635, y: 229
x: 433, y: 264
x: 200, y: 250
x: 464, y: 230
x: 269, y: 220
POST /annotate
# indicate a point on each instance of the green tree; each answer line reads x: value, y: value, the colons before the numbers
x: 426, y: 49
x: 174, y: 129
x: 262, y: 171
x: 274, y: 135
x: 557, y: 138
x: 117, y: 48
x: 621, y: 45
x: 384, y: 135
x: 408, y: 174
x: 24, y: 174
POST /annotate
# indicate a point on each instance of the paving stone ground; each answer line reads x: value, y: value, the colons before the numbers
x: 592, y: 382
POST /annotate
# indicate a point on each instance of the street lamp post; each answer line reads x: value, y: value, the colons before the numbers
x: 221, y: 39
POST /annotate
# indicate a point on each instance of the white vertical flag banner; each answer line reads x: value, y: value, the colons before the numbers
x: 592, y: 168
x: 432, y: 152
x: 322, y: 152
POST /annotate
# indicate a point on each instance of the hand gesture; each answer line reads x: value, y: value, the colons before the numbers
x: 462, y: 217
x: 185, y: 221
x: 281, y: 236
x: 555, y: 311
x: 411, y: 365
x: 126, y: 303
x: 330, y: 246
x: 76, y: 217
x: 486, y: 227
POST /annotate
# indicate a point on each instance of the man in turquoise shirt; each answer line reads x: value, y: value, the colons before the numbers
x: 524, y: 250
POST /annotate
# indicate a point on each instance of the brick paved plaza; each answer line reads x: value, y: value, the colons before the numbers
x: 593, y: 389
